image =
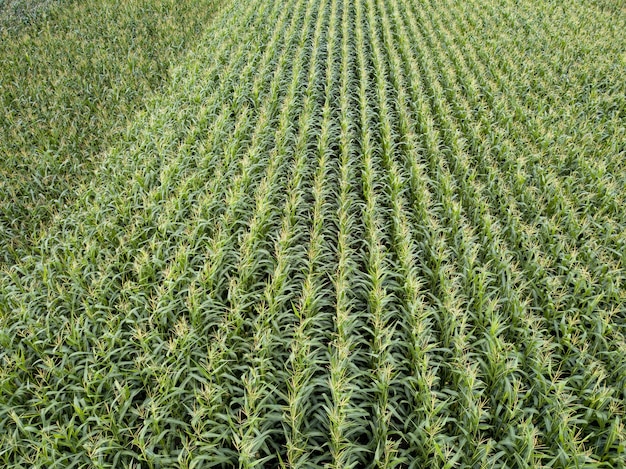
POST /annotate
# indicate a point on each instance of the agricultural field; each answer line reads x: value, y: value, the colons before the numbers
x: 317, y: 233
x: 72, y: 73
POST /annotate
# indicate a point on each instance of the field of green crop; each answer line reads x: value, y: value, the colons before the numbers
x: 320, y: 233
x: 72, y: 73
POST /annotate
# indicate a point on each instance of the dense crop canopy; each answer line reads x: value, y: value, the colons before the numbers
x: 371, y: 233
x: 71, y: 74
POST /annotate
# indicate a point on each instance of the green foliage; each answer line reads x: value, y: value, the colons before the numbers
x: 71, y: 75
x: 15, y: 14
x: 380, y: 233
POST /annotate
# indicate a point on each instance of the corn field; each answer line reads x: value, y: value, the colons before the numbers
x: 345, y: 234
